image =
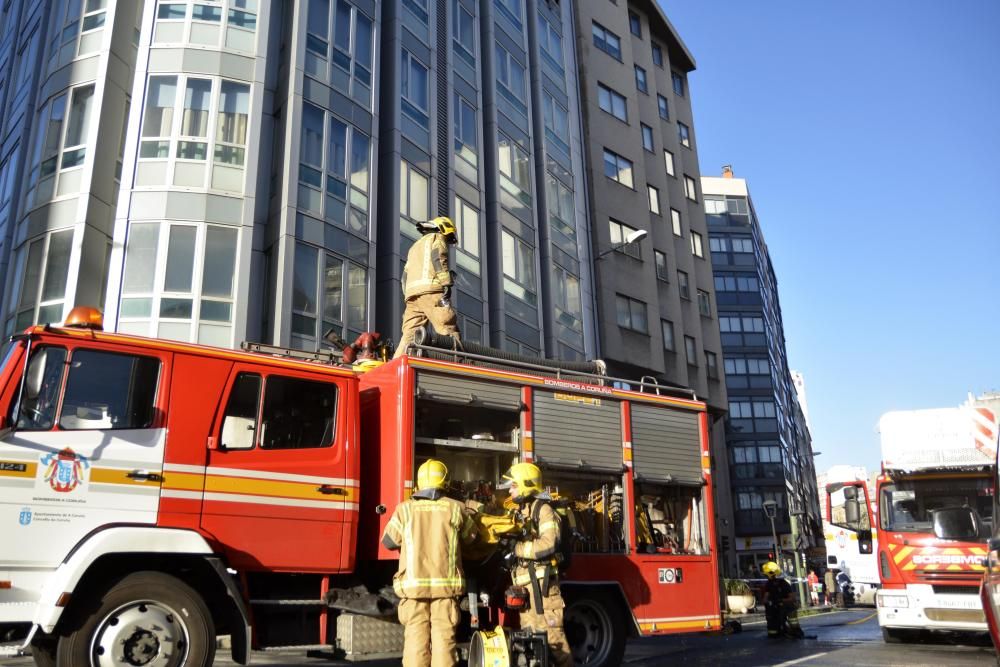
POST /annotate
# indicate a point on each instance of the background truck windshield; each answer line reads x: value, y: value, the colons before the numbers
x: 906, y: 505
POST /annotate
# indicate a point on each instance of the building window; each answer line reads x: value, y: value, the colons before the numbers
x: 704, y: 303
x: 683, y: 286
x: 691, y: 351
x: 511, y: 9
x: 43, y: 275
x: 657, y: 54
x: 690, y: 188
x: 418, y: 7
x: 675, y: 222
x: 661, y: 105
x: 465, y: 34
x: 607, y: 41
x: 414, y: 89
x: 466, y: 141
x: 510, y: 74
x: 60, y: 145
x: 178, y: 282
x: 661, y: 265
x: 414, y: 204
x: 678, y: 82
x: 631, y: 314
x: 712, y: 365
x: 612, y: 103
x: 515, y: 168
x: 640, y: 80
x: 618, y: 168
x: 562, y: 215
x: 634, y: 24
x: 551, y: 44
x: 332, y: 56
x: 556, y: 122
x: 667, y: 329
x: 647, y: 137
x: 684, y: 134
x: 467, y: 228
x: 668, y: 160
x: 654, y: 199
x: 619, y: 232
x: 736, y: 283
x: 696, y: 246
x: 327, y: 292
x: 338, y: 189
x: 569, y: 308
x: 743, y: 366
x: 518, y: 267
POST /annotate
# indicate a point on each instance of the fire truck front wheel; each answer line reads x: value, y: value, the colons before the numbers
x: 594, y: 623
x: 146, y: 618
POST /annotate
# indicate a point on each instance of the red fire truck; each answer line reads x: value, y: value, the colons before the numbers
x: 935, y: 501
x: 154, y: 495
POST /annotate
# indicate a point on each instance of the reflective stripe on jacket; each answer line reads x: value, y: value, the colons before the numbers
x: 428, y: 533
x: 426, y: 270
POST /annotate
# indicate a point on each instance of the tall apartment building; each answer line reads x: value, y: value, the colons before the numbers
x: 234, y: 169
x: 768, y: 441
x: 656, y: 311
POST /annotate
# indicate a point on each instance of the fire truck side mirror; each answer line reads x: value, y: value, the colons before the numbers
x: 852, y: 512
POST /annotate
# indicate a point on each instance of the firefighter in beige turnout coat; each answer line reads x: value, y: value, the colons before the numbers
x: 427, y: 283
x: 427, y: 530
x: 537, y: 567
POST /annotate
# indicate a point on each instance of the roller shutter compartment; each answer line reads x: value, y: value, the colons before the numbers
x: 666, y: 444
x: 464, y: 391
x: 578, y: 430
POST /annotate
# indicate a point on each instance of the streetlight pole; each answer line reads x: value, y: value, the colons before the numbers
x: 633, y: 237
x: 770, y: 510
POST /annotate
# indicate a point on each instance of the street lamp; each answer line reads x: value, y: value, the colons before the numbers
x: 630, y: 238
x: 770, y: 511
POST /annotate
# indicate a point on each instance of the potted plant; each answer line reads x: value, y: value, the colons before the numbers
x: 739, y: 597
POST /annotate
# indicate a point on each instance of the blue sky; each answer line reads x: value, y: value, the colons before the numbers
x: 868, y: 134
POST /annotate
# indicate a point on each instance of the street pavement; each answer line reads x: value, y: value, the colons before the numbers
x: 836, y: 638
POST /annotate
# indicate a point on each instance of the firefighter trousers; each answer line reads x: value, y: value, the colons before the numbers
x: 429, y: 631
x: 421, y: 310
x: 551, y: 622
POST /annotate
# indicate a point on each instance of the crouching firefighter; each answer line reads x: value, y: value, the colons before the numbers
x: 536, y: 564
x: 779, y: 604
x: 427, y: 283
x: 426, y: 530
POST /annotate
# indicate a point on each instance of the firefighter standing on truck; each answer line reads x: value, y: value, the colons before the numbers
x: 536, y: 565
x: 426, y: 529
x: 427, y: 283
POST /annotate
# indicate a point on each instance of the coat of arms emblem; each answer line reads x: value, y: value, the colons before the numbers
x: 64, y: 470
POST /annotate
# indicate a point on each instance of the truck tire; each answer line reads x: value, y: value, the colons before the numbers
x: 594, y: 623
x: 143, y: 617
x: 43, y: 650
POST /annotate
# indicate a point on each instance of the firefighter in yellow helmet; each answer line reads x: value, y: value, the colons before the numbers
x: 779, y: 604
x: 427, y: 283
x: 536, y: 564
x: 426, y: 530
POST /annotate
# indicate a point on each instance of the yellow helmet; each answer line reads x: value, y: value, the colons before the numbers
x: 771, y: 569
x: 527, y: 476
x: 432, y: 474
x: 447, y: 228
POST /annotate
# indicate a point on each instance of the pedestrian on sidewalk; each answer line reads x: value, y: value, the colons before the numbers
x: 813, y: 587
x: 829, y: 586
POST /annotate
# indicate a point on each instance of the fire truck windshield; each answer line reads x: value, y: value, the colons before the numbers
x: 907, y: 505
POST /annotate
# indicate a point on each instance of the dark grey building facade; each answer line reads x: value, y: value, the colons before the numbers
x: 657, y: 315
x: 768, y: 441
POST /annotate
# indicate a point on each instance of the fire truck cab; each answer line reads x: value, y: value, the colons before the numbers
x: 156, y: 494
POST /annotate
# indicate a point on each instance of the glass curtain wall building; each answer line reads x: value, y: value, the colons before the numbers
x: 480, y: 121
x: 768, y: 441
x: 224, y: 170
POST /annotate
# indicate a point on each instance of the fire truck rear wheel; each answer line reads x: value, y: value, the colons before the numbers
x: 43, y: 650
x: 147, y: 618
x: 595, y: 627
